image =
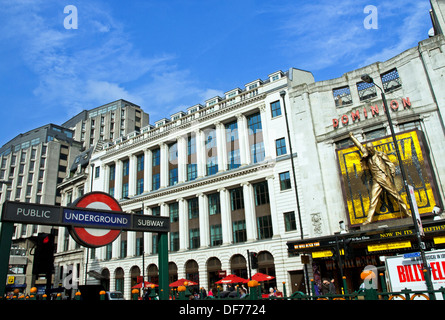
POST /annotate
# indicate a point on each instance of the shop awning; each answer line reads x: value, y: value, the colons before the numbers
x: 388, y: 238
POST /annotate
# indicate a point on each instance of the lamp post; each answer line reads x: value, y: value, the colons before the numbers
x: 366, y: 78
x: 283, y: 94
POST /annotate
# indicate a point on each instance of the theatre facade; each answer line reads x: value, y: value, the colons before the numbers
x: 329, y: 110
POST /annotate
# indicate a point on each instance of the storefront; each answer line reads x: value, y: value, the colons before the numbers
x: 347, y: 254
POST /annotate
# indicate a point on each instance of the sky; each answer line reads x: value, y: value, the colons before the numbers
x: 168, y: 55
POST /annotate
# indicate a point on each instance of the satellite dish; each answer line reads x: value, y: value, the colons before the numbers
x: 431, y: 33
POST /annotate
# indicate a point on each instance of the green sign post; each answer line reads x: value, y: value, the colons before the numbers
x: 17, y: 212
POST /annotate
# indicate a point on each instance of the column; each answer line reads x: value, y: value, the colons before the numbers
x: 265, y: 131
x: 243, y: 137
x: 105, y: 178
x: 118, y: 179
x: 221, y: 146
x: 148, y: 239
x: 182, y: 159
x: 273, y: 207
x: 226, y: 218
x: 132, y: 175
x: 115, y: 248
x: 131, y: 243
x: 204, y: 232
x: 249, y: 211
x: 164, y: 165
x: 148, y: 173
x: 200, y: 153
x: 183, y: 224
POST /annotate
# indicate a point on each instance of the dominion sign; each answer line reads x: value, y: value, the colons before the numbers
x: 356, y: 182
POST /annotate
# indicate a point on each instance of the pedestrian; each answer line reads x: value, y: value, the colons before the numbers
x: 325, y: 287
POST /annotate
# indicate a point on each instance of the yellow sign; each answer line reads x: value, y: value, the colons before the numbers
x: 389, y: 246
x: 439, y: 240
x: 325, y: 253
x: 322, y: 254
x: 11, y: 279
x: 356, y: 182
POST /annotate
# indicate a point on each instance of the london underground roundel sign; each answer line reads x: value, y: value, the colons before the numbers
x: 92, y: 237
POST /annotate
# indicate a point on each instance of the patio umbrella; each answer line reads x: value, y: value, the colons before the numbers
x: 146, y: 285
x: 231, y: 278
x: 180, y: 282
x: 262, y: 277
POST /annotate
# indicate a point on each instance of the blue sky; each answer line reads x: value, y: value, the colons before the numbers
x: 169, y: 55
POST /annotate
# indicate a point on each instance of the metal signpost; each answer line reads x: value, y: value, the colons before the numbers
x: 93, y: 222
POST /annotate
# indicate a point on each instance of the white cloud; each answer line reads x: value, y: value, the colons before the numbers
x: 96, y: 63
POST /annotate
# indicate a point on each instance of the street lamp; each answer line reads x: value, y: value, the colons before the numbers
x: 283, y: 94
x: 368, y: 79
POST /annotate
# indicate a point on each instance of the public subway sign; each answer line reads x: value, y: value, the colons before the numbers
x: 356, y: 182
x: 407, y: 271
x: 370, y: 111
x: 87, y: 218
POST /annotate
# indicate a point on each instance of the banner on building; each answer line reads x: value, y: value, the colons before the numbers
x: 356, y: 183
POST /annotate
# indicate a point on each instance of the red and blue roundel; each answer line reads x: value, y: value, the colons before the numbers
x: 91, y: 237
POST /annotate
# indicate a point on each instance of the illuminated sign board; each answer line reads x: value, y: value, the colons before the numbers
x: 356, y: 182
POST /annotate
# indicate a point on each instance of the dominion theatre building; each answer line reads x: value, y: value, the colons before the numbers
x: 336, y: 187
x: 270, y: 168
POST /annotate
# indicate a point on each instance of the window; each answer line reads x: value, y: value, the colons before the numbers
x: 275, y: 109
x: 194, y: 238
x: 156, y: 156
x: 156, y: 211
x: 285, y: 181
x: 232, y: 131
x: 391, y: 80
x: 125, y: 167
x: 97, y: 172
x: 156, y: 183
x: 173, y: 152
x: 192, y: 171
x: 239, y: 231
x: 234, y: 159
x: 211, y: 139
x: 191, y: 145
x: 174, y: 241
x: 174, y: 212
x: 140, y: 162
x: 215, y: 235
x: 254, y: 123
x: 173, y: 176
x: 212, y: 166
x: 289, y: 221
x: 261, y: 193
x: 236, y: 199
x: 214, y: 204
x: 366, y: 90
x: 342, y: 96
x: 193, y: 208
x: 140, y: 186
x: 125, y: 190
x: 280, y: 145
x: 264, y: 227
x: 257, y: 152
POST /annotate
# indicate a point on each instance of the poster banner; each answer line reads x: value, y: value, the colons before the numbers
x: 406, y: 271
x: 356, y: 182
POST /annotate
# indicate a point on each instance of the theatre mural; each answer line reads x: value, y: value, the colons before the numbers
x: 357, y: 179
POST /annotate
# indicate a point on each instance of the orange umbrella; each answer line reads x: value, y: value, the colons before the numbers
x: 232, y: 278
x: 262, y: 277
x: 180, y: 282
x: 146, y: 285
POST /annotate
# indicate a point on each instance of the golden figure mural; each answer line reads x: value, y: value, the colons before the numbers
x: 383, y: 172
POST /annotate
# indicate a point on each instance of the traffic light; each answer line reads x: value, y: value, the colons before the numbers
x: 254, y: 260
x: 44, y: 254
